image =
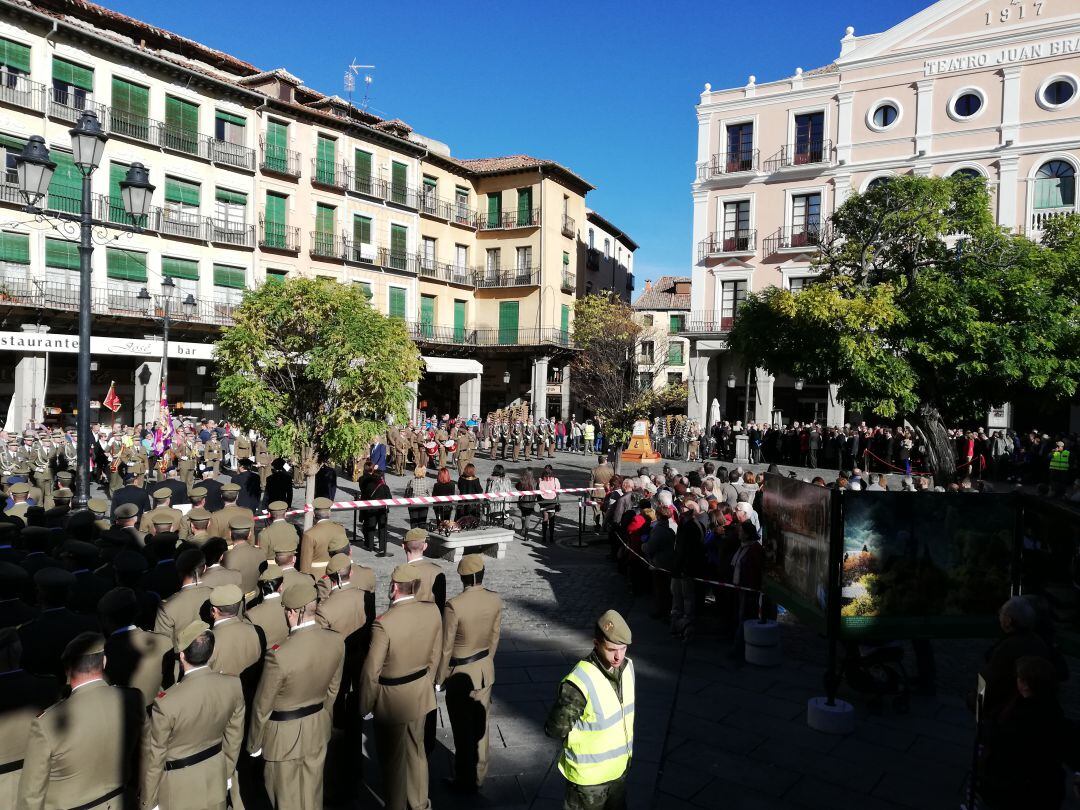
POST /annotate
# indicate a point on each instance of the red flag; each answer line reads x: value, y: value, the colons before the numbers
x: 112, y: 401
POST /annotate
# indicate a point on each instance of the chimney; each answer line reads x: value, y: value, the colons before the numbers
x: 648, y: 285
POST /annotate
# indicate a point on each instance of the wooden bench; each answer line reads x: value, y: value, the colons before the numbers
x: 491, y: 541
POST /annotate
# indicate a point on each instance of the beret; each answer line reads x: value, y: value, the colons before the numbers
x: 241, y: 522
x: 470, y: 564
x: 225, y: 595
x: 278, y: 506
x: 404, y: 573
x: 322, y: 503
x: 190, y: 633
x: 161, y: 493
x: 284, y: 545
x: 87, y: 643
x: 125, y: 511
x: 338, y: 563
x: 298, y: 595
x: 416, y: 534
x: 272, y: 571
x: 614, y: 627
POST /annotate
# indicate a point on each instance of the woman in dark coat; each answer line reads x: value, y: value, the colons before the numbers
x: 372, y: 488
x: 443, y: 486
x: 469, y: 484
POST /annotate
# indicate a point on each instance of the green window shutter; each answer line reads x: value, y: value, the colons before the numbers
x: 75, y: 75
x: 325, y: 167
x: 1054, y: 192
x: 61, y: 254
x: 361, y: 230
x: 327, y: 148
x: 181, y: 124
x: 524, y: 216
x: 397, y: 303
x: 131, y: 99
x: 565, y: 259
x: 366, y: 287
x: 427, y: 311
x: 674, y: 354
x: 15, y: 55
x: 674, y: 324
x: 181, y: 191
x: 125, y: 265
x: 231, y: 197
x: 180, y: 268
x: 277, y: 146
x: 230, y: 118
x: 565, y: 322
x: 459, y: 320
x: 362, y: 163
x: 275, y: 209
x: 494, y: 209
x: 399, y: 174
x: 324, y: 219
x: 399, y: 238
x: 276, y: 276
x: 116, y: 212
x: 15, y: 248
x: 430, y: 186
x: 231, y: 277
x: 508, y: 322
x: 10, y: 144
x: 65, y: 188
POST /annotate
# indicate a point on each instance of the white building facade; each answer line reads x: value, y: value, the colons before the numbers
x: 989, y: 88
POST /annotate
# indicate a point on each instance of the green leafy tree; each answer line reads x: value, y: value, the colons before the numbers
x: 926, y: 310
x: 604, y: 369
x: 311, y: 365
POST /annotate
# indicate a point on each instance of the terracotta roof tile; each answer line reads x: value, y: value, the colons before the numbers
x: 661, y: 295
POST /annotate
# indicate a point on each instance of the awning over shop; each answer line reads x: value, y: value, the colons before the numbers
x: 452, y: 365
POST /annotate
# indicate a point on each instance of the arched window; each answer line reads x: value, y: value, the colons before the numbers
x: 967, y: 171
x: 1055, y: 185
x: 878, y: 181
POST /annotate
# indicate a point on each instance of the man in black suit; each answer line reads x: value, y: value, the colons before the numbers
x: 177, y: 487
x: 132, y: 492
x: 279, y: 484
x: 250, y: 496
x: 44, y: 638
x: 212, y: 486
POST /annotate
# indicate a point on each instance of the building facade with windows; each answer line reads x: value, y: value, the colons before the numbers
x: 607, y: 253
x: 259, y: 178
x: 988, y: 88
x: 662, y: 310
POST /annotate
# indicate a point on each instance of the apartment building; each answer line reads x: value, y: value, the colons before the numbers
x: 663, y: 354
x: 986, y: 88
x: 608, y: 256
x: 259, y: 177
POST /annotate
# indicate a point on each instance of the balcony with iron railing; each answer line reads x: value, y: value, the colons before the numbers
x: 436, y: 207
x: 227, y: 153
x: 280, y: 161
x: 68, y: 105
x: 569, y: 227
x: 814, y: 153
x: 367, y: 185
x: 1041, y: 216
x: 230, y: 234
x: 280, y: 237
x: 400, y: 194
x: 794, y: 237
x: 517, y: 277
x: 328, y: 174
x: 423, y: 332
x: 182, y: 223
x: 18, y: 91
x: 368, y: 253
x: 569, y: 281
x: 728, y: 243
x: 705, y: 322
x: 327, y: 246
x: 727, y: 163
x: 446, y: 271
x: 508, y: 220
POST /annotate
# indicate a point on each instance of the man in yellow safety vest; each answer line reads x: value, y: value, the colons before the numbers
x: 594, y: 717
x: 1059, y: 467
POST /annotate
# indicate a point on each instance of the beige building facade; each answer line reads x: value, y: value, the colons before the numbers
x: 663, y: 352
x: 259, y: 178
x: 987, y: 87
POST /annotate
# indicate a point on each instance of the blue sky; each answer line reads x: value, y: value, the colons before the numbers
x: 606, y: 88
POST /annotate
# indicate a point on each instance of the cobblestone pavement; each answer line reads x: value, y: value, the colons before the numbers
x: 708, y: 734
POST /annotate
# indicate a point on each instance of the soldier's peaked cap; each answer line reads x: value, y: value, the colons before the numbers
x: 298, y: 595
x: 404, y: 573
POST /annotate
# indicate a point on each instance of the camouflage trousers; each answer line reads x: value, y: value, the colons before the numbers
x: 607, y: 796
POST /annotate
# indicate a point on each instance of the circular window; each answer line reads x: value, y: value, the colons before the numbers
x: 883, y: 115
x: 967, y: 104
x: 1057, y: 92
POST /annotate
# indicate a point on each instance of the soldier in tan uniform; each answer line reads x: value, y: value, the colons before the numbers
x: 196, y: 731
x: 278, y: 526
x: 244, y: 557
x: 84, y: 750
x: 133, y: 656
x: 397, y: 685
x: 471, y: 624
x: 263, y: 460
x: 197, y: 495
x: 238, y: 648
x: 284, y: 549
x: 212, y: 454
x: 196, y: 523
x: 162, y: 510
x: 241, y: 448
x: 186, y: 605
x: 291, y: 716
x: 22, y: 698
x: 314, y: 554
x: 186, y: 462
x: 432, y: 579
x: 219, y: 520
x: 216, y: 573
x: 268, y: 615
x: 19, y: 494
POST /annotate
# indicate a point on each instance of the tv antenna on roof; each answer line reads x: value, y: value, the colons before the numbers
x: 350, y: 81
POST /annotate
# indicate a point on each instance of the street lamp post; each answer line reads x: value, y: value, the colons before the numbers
x: 168, y: 290
x: 35, y: 171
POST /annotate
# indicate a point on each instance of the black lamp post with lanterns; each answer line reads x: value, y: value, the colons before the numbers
x: 168, y: 290
x: 35, y: 171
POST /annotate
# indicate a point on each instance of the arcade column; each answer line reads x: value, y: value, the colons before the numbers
x: 469, y: 396
x: 763, y: 401
x: 28, y: 398
x: 539, y: 387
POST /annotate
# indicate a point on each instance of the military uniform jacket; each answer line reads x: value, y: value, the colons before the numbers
x: 291, y: 576
x: 343, y: 610
x: 160, y: 513
x: 314, y: 544
x: 246, y: 559
x: 405, y: 640
x: 279, y: 528
x: 303, y: 672
x: 219, y: 521
x: 203, y: 710
x: 180, y: 610
x: 238, y: 647
x: 84, y: 748
x: 471, y: 625
x: 269, y: 616
x: 432, y: 582
x: 22, y: 698
x: 141, y: 660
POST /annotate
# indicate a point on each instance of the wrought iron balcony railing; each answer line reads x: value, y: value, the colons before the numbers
x: 231, y: 154
x: 19, y: 91
x: 725, y: 163
x: 276, y: 236
x: 446, y: 271
x: 508, y: 220
x: 327, y: 173
x: 68, y: 105
x: 708, y: 321
x: 368, y: 186
x: 808, y: 153
x: 517, y: 277
x: 569, y: 281
x: 797, y: 237
x: 434, y: 206
x: 424, y: 332
x: 405, y: 196
x: 280, y: 161
x: 232, y: 234
x: 327, y: 245
x: 569, y: 227
x: 729, y: 243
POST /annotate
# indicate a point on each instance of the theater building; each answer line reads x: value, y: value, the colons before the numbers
x: 986, y: 88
